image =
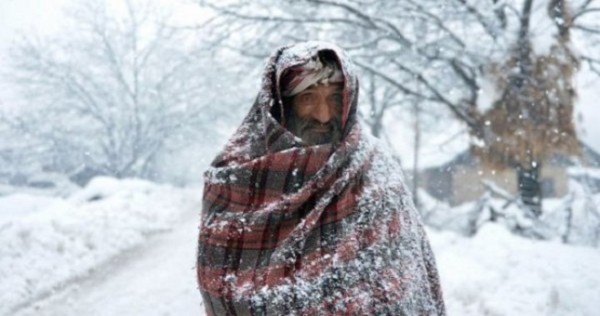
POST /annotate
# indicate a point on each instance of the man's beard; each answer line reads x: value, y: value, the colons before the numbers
x: 304, y: 128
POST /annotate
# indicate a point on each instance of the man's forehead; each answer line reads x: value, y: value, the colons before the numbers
x: 332, y: 86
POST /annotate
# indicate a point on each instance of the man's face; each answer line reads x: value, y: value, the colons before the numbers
x: 316, y: 114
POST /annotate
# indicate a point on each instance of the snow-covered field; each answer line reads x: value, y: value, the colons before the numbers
x: 497, y: 273
x: 96, y: 253
x: 48, y: 243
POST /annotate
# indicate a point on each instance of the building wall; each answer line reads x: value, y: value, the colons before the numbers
x: 468, y: 182
x: 460, y: 180
x: 560, y: 179
x: 439, y: 184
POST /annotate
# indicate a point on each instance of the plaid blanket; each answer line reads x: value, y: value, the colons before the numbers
x: 289, y: 229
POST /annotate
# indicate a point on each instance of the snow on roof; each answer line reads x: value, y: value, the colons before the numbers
x: 583, y: 172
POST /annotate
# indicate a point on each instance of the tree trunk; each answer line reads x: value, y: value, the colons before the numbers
x: 530, y: 190
x: 417, y: 146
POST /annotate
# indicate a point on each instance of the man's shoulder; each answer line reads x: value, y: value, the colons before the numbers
x: 385, y: 163
x: 381, y: 148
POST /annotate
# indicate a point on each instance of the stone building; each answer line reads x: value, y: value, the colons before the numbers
x: 460, y: 180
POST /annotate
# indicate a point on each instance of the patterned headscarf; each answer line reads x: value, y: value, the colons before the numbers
x: 317, y: 70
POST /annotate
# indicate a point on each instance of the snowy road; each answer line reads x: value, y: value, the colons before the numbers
x: 157, y: 278
x: 492, y: 273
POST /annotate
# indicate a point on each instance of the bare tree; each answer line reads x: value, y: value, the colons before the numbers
x: 109, y: 94
x: 439, y: 53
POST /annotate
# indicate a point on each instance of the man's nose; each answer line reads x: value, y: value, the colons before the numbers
x: 322, y: 112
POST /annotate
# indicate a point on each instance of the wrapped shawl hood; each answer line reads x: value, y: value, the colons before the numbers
x: 310, y: 230
x: 263, y: 131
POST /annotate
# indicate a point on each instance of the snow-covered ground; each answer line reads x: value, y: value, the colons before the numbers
x: 51, y: 243
x: 96, y: 253
x: 157, y: 278
x: 497, y: 273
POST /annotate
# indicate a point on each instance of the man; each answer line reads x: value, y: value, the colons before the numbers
x: 304, y: 213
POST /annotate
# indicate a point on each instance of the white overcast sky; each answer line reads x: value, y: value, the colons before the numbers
x: 44, y: 17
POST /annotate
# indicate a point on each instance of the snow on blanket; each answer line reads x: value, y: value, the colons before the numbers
x: 46, y: 242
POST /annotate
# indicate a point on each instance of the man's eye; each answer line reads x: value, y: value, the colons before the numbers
x: 306, y: 98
